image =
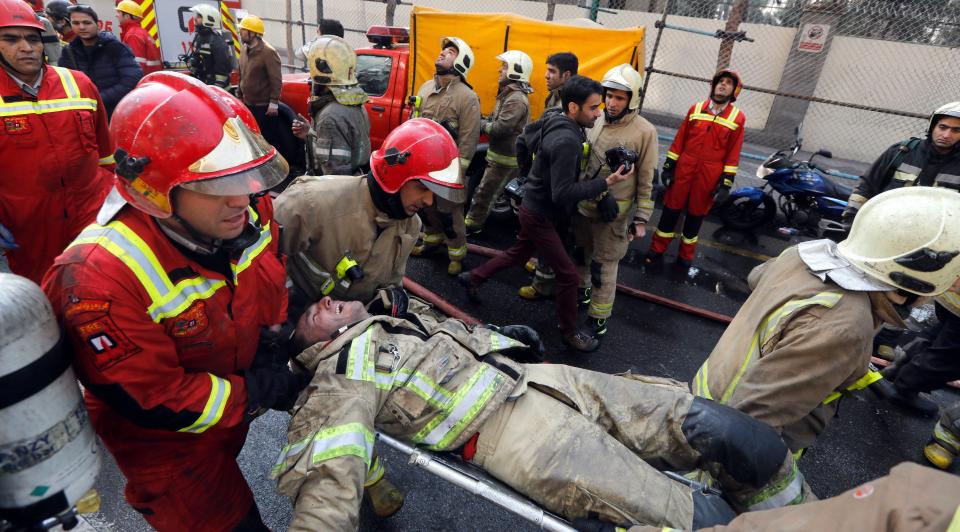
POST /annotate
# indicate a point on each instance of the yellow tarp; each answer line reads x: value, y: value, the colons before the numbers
x: 490, y: 34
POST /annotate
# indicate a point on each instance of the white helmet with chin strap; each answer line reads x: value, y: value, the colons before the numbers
x: 519, y: 65
x: 908, y: 238
x: 950, y: 109
x: 625, y: 78
x: 209, y: 15
x: 464, y: 61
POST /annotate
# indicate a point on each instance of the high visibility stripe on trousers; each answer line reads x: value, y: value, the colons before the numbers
x: 760, y: 337
x: 509, y: 161
x: 784, y: 493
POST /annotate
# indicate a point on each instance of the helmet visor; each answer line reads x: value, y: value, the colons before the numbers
x: 617, y: 86
x: 446, y: 183
x: 246, y: 182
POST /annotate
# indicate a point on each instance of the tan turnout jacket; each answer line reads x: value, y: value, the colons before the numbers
x: 510, y: 114
x: 449, y: 101
x: 325, y: 218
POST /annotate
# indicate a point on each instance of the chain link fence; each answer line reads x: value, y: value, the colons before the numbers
x: 859, y: 75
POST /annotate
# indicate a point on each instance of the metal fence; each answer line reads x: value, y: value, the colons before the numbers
x: 859, y: 74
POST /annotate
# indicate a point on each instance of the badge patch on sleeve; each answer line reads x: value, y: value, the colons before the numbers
x: 17, y: 125
x: 192, y: 322
x: 76, y: 306
x: 108, y: 344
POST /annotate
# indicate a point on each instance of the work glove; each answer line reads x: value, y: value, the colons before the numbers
x: 533, y: 347
x: 272, y: 388
x: 666, y: 173
x: 583, y: 524
x: 274, y: 346
x: 485, y: 126
x: 392, y: 301
x: 723, y: 188
x: 607, y: 208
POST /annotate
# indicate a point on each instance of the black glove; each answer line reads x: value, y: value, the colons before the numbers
x: 269, y: 388
x: 607, y: 208
x: 273, y: 347
x: 526, y: 335
x: 583, y: 524
x: 723, y: 187
x: 666, y: 173
x: 391, y: 301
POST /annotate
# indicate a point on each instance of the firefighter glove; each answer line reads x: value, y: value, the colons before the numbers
x: 392, y: 301
x: 607, y: 208
x: 270, y: 388
x: 274, y: 346
x: 526, y: 335
x: 723, y: 188
x: 666, y: 173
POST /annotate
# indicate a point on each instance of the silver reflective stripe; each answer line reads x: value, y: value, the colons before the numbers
x: 352, y: 439
x: 790, y: 494
x: 213, y: 410
x: 359, y: 367
x: 948, y: 179
x: 465, y: 409
x: 908, y: 169
x: 337, y: 152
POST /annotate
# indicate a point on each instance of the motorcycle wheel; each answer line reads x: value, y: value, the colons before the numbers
x: 743, y: 213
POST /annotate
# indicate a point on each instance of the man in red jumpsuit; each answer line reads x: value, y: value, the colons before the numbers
x: 700, y: 166
x: 137, y: 39
x: 55, y: 150
x: 164, y: 299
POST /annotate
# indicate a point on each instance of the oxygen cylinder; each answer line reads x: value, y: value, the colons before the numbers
x: 48, y: 452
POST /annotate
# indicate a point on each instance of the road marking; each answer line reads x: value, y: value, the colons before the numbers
x: 735, y: 250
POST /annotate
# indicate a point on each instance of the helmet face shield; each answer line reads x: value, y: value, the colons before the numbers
x: 252, y: 181
x: 446, y: 183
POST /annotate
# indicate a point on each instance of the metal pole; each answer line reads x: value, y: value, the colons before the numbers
x: 733, y: 23
x: 483, y: 488
x: 303, y: 29
x: 594, y: 7
x: 289, y: 30
x: 653, y: 54
x: 391, y: 9
x: 319, y: 11
x: 551, y: 8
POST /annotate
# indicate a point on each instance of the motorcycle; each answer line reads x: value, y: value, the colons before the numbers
x: 811, y: 203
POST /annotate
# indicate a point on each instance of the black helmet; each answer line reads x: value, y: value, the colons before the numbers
x: 57, y: 9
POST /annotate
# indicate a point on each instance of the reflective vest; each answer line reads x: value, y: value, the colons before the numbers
x: 58, y: 158
x: 160, y: 339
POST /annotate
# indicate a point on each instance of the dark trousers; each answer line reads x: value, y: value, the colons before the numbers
x: 274, y: 131
x: 936, y: 365
x: 539, y: 234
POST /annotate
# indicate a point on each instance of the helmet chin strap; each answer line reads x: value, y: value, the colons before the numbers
x: 7, y: 66
x: 614, y: 118
x: 204, y: 245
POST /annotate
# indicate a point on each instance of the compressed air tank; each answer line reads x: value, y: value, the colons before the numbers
x: 48, y: 451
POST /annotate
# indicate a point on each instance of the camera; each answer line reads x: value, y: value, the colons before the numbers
x: 621, y: 156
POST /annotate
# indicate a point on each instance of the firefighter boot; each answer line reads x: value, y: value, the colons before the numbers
x: 455, y: 267
x: 473, y: 289
x: 584, y: 297
x: 473, y: 226
x: 581, y: 341
x: 530, y: 292
x: 597, y: 327
x: 384, y: 497
x: 943, y: 448
x: 427, y: 243
x: 531, y: 265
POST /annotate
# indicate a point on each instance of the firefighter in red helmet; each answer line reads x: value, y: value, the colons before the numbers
x: 164, y: 300
x: 54, y: 144
x: 701, y: 165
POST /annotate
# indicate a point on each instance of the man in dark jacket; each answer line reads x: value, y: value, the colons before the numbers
x: 101, y: 56
x: 551, y: 192
x: 210, y: 57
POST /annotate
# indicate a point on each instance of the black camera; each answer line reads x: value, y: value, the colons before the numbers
x: 621, y: 156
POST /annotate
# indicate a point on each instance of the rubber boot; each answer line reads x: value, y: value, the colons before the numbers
x: 529, y: 292
x: 472, y: 226
x: 455, y: 267
x: 584, y: 297
x: 597, y: 327
x: 943, y: 447
x: 385, y: 498
x: 531, y: 265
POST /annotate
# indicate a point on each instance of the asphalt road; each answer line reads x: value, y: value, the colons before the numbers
x: 863, y: 442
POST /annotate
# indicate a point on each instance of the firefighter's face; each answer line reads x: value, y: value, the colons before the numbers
x: 83, y: 25
x: 723, y: 90
x: 588, y: 113
x: 615, y: 101
x: 502, y: 73
x: 415, y: 196
x: 246, y: 36
x: 22, y: 49
x: 446, y: 58
x: 554, y: 78
x: 323, y: 318
x: 946, y: 134
x: 124, y: 17
x: 215, y: 217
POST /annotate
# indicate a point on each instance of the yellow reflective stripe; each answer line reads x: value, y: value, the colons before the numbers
x: 359, y: 366
x: 464, y: 163
x: 665, y: 235
x: 729, y: 169
x: 502, y: 160
x: 107, y: 160
x: 673, y: 155
x: 706, y: 117
x: 766, y: 329
x: 433, y: 238
x: 462, y: 408
x: 457, y: 253
x: 48, y: 106
x: 213, y: 410
x: 70, y: 87
x: 646, y: 204
x: 167, y: 299
x: 734, y: 112
x: 374, y: 473
x: 870, y: 377
x: 700, y: 381
x: 689, y: 240
x: 255, y: 249
x: 954, y: 525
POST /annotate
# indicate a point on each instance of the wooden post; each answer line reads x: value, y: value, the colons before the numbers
x: 289, y: 28
x: 551, y: 8
x: 391, y: 9
x: 733, y: 24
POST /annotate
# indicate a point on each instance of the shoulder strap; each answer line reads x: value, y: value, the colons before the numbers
x: 905, y: 147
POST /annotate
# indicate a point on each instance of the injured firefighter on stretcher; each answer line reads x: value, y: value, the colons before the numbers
x: 576, y: 442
